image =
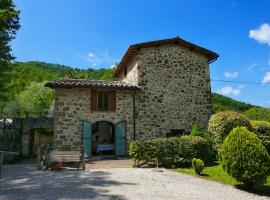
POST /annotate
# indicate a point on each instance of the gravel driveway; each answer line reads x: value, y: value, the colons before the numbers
x: 25, y: 182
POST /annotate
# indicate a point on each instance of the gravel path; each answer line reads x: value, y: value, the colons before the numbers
x: 24, y: 182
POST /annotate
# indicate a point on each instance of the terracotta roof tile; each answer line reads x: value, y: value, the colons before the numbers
x: 83, y: 83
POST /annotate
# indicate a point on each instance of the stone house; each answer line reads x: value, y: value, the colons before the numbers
x: 163, y: 88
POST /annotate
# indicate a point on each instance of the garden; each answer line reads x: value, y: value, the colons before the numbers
x: 233, y: 150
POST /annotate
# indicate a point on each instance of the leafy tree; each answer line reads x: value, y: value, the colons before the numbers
x: 9, y: 24
x: 36, y: 100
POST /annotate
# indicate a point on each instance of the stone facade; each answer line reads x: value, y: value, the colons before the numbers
x: 174, y: 93
x: 175, y: 89
x: 73, y: 106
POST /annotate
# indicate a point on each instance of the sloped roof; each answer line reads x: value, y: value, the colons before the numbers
x: 133, y: 49
x: 83, y: 83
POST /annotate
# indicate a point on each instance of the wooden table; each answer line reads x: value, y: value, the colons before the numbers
x: 2, y: 153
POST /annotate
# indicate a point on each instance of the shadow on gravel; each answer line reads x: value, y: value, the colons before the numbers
x: 262, y: 190
x: 25, y: 182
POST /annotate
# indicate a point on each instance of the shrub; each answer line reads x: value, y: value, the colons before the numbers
x: 193, y: 147
x: 166, y: 151
x: 262, y: 130
x: 198, y: 165
x: 198, y: 131
x: 243, y: 156
x: 221, y: 124
x: 134, y: 151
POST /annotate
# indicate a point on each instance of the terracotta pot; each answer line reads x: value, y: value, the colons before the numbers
x: 56, y: 166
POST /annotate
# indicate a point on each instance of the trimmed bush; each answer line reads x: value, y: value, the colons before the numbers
x: 244, y: 157
x: 221, y: 124
x: 167, y: 151
x: 198, y: 165
x: 194, y: 147
x: 262, y: 130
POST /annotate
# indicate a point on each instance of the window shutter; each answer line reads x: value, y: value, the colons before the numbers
x: 94, y: 100
x: 112, y: 101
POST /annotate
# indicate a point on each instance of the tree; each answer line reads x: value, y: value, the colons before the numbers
x: 36, y: 100
x: 9, y: 24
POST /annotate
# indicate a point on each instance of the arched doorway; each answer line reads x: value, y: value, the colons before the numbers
x: 104, y: 138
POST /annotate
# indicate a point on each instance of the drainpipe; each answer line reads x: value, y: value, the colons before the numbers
x: 134, y: 117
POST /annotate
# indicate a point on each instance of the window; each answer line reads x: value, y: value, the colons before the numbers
x: 103, y: 101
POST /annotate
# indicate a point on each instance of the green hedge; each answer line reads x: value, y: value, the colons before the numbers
x: 168, y: 151
x: 262, y: 130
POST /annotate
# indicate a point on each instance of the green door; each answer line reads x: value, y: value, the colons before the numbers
x: 87, y: 138
x: 120, y: 138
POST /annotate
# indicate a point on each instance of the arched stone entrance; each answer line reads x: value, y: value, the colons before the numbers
x: 104, y: 138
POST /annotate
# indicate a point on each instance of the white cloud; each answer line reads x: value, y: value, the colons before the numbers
x: 228, y: 90
x: 93, y: 59
x: 266, y: 78
x: 262, y: 34
x: 231, y: 74
x: 99, y: 59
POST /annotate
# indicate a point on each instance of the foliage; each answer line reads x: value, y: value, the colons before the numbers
x: 198, y: 131
x: 44, y: 131
x: 167, y: 151
x: 262, y: 130
x: 222, y: 103
x: 194, y: 147
x: 258, y: 114
x: 197, y: 165
x: 35, y: 100
x: 243, y: 156
x: 134, y: 152
x: 221, y: 124
x: 9, y: 23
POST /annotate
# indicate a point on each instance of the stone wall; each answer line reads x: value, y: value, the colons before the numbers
x: 175, y: 90
x: 73, y: 105
x: 27, y: 125
x: 132, y: 72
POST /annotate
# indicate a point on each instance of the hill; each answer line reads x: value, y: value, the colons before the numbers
x: 221, y: 103
x: 26, y: 73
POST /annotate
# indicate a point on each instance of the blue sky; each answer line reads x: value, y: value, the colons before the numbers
x: 96, y: 33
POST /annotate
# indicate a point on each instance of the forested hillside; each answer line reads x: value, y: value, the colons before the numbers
x: 27, y: 96
x: 23, y: 73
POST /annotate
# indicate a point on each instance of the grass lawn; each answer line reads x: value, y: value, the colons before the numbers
x: 216, y: 173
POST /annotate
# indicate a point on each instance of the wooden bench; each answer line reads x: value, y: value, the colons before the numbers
x: 2, y: 153
x: 63, y: 155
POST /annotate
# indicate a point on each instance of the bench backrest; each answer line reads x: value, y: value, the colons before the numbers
x: 65, y: 156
